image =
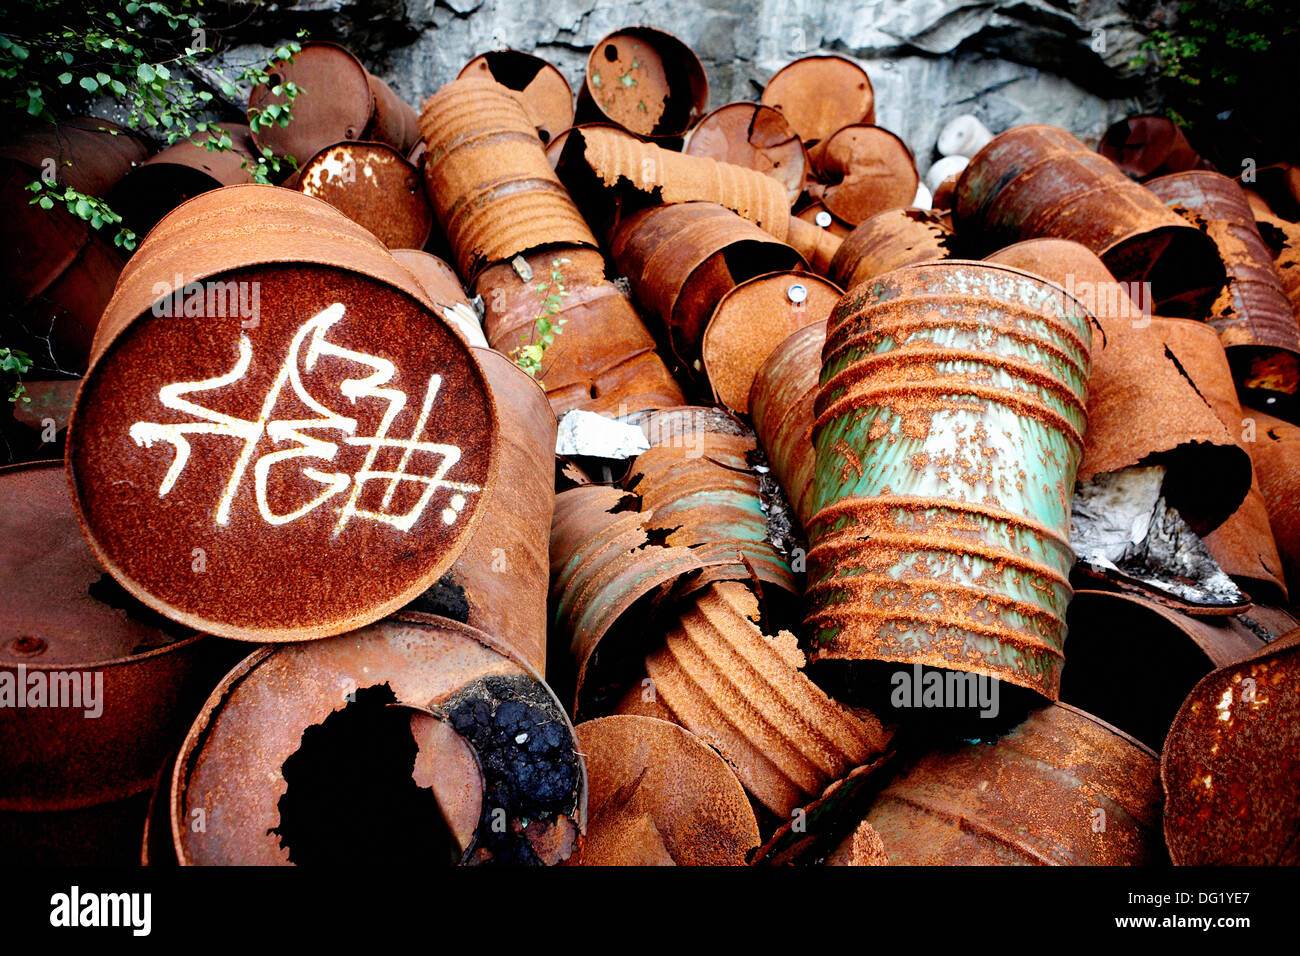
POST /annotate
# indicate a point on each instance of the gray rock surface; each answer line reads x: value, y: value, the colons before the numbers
x: 1008, y: 62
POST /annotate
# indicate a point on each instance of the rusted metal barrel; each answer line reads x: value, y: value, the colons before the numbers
x: 866, y: 170
x: 545, y: 93
x: 603, y: 358
x: 338, y: 101
x: 682, y: 259
x: 180, y: 172
x: 646, y: 81
x: 1274, y: 447
x: 752, y: 320
x: 781, y: 404
x: 374, y: 186
x: 1147, y: 146
x: 58, y: 272
x: 504, y: 572
x: 251, y: 443
x: 1252, y: 315
x: 95, y: 690
x: 755, y: 136
x: 1062, y: 788
x: 271, y: 748
x: 950, y: 421
x: 819, y: 95
x: 1142, y: 406
x: 444, y: 290
x: 817, y: 234
x: 1132, y: 662
x: 487, y: 175
x: 1040, y: 181
x: 744, y: 693
x: 888, y: 240
x: 1231, y: 764
x: 1243, y: 545
x: 703, y: 494
x: 661, y: 797
x: 394, y: 121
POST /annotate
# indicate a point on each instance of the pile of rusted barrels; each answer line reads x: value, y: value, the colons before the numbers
x: 619, y: 482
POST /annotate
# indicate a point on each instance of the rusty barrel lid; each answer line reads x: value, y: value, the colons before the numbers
x: 660, y: 796
x: 754, y: 136
x: 440, y: 281
x: 545, y: 93
x: 335, y: 102
x: 645, y: 80
x: 475, y: 738
x: 374, y: 186
x: 1231, y: 764
x: 277, y: 439
x: 92, y: 684
x: 819, y: 95
x: 751, y: 320
x: 866, y: 169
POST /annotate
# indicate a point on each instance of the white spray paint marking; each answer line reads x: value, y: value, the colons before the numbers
x: 280, y: 431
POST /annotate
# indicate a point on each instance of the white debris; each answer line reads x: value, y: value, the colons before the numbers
x: 587, y: 433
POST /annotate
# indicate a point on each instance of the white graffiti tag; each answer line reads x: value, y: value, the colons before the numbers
x: 308, y: 346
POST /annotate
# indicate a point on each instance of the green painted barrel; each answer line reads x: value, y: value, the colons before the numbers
x: 950, y: 421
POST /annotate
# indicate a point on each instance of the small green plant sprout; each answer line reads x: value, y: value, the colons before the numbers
x: 546, y: 326
x: 144, y: 55
x: 14, y: 364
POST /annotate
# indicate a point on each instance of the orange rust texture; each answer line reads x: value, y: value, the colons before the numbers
x: 1243, y: 545
x: 1147, y: 146
x: 701, y: 491
x: 505, y: 570
x: 781, y: 404
x: 658, y: 796
x: 336, y: 102
x: 1252, y: 309
x: 952, y: 394
x: 1231, y: 764
x: 1030, y: 798
x: 545, y: 93
x: 682, y: 259
x: 492, y: 188
x: 1142, y: 408
x: 756, y: 137
x: 819, y: 95
x: 867, y: 170
x: 603, y: 360
x: 1041, y: 182
x: 743, y: 692
x: 752, y: 320
x: 862, y: 847
x: 1283, y: 240
x: 395, y: 121
x: 374, y: 186
x: 621, y: 163
x: 54, y: 758
x: 1274, y: 447
x: 888, y: 240
x: 647, y: 81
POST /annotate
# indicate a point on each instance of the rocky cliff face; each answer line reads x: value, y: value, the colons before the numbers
x: 1065, y: 62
